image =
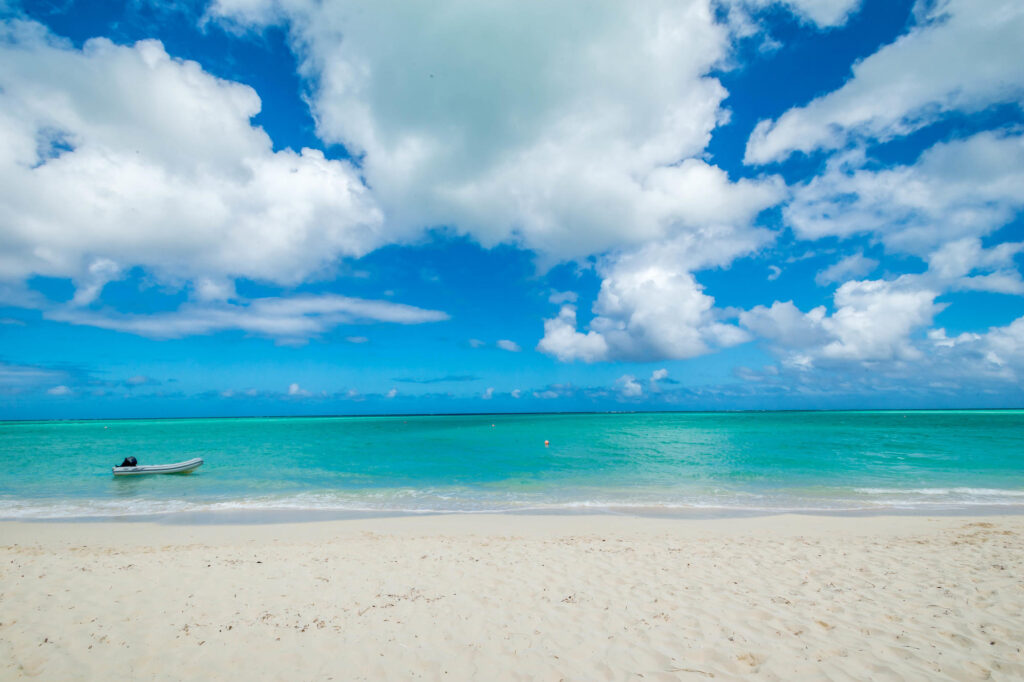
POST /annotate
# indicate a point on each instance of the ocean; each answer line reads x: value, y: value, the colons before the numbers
x: 651, y: 463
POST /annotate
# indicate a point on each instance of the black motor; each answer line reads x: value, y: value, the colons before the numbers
x: 129, y: 462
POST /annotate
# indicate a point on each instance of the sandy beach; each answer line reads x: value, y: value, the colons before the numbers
x: 516, y: 597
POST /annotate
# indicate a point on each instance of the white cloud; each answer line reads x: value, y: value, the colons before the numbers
x: 1003, y: 346
x: 511, y: 346
x: 970, y: 364
x: 516, y: 393
x: 391, y: 394
x: 157, y: 164
x: 472, y: 115
x: 488, y: 394
x: 291, y: 318
x: 651, y: 307
x: 97, y: 275
x: 938, y: 208
x: 785, y: 325
x: 659, y: 374
x: 850, y: 267
x: 962, y: 55
x: 966, y: 264
x: 356, y: 339
x: 295, y: 390
x: 160, y: 166
x: 826, y: 13
x: 59, y: 390
x: 650, y: 311
x: 964, y: 188
x: 874, y: 320
x: 565, y: 343
x: 12, y: 376
x: 476, y: 343
x: 823, y: 13
x: 559, y: 297
x: 629, y: 387
x: 214, y: 289
x: 18, y: 378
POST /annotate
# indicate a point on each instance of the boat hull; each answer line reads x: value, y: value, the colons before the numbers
x: 144, y: 469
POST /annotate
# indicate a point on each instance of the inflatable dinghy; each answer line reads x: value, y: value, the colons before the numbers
x: 176, y: 468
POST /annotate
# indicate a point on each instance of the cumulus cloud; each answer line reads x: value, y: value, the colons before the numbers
x: 562, y: 340
x: 822, y: 13
x: 651, y: 307
x: 157, y: 164
x: 297, y: 391
x: 961, y: 55
x: 965, y: 264
x: 939, y: 208
x: 533, y: 123
x: 969, y: 364
x: 629, y: 387
x: 488, y: 393
x: 958, y: 189
x: 214, y: 289
x: 460, y: 115
x: 850, y: 267
x: 290, y: 318
x: 785, y: 325
x: 559, y: 297
x: 883, y: 323
x: 511, y: 346
x: 391, y: 394
x: 874, y: 320
x: 59, y: 390
x: 646, y: 311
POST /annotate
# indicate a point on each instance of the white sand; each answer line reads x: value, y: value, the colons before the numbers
x: 512, y: 597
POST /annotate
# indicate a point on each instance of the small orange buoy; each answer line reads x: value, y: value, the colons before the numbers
x: 547, y: 443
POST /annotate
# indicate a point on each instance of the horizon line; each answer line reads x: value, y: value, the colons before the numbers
x: 526, y: 413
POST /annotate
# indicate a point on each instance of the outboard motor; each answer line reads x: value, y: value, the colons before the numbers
x: 129, y: 462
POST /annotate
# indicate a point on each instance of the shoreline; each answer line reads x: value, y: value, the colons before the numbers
x: 59, y: 534
x: 271, y: 516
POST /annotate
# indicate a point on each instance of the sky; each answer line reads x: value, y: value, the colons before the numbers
x: 282, y: 207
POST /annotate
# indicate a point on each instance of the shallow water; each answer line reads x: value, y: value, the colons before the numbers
x: 660, y: 462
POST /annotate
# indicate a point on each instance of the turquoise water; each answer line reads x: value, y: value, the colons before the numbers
x: 935, y: 460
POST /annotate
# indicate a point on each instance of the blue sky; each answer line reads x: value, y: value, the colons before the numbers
x: 252, y: 207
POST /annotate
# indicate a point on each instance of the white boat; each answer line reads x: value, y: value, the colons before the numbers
x: 176, y: 468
